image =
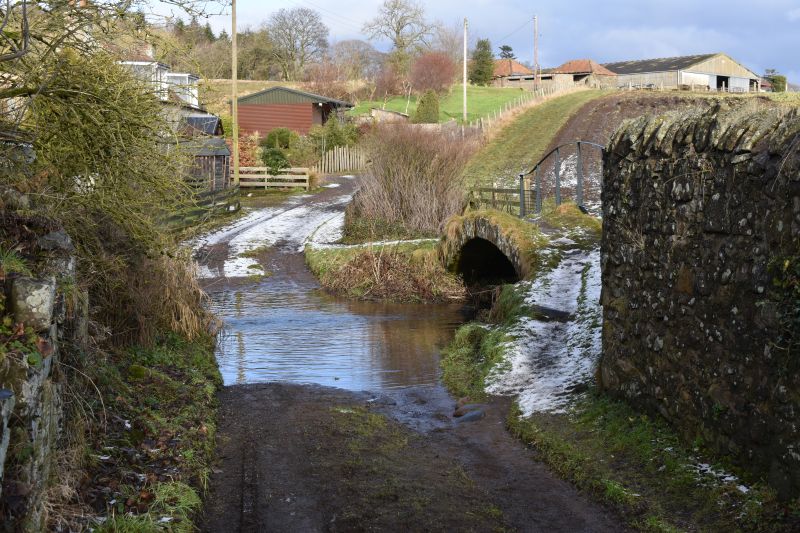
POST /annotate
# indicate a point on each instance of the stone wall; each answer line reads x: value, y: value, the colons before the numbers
x: 54, y: 314
x: 701, y: 209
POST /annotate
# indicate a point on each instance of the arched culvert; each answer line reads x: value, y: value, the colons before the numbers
x: 481, y: 263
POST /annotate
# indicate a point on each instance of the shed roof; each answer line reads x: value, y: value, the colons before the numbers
x: 664, y: 64
x: 206, y: 146
x: 205, y: 123
x: 285, y: 95
x: 510, y: 67
x: 583, y: 66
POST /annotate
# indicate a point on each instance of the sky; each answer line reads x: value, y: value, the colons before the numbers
x: 760, y: 34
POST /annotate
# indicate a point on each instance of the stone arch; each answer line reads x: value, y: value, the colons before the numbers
x: 479, y: 249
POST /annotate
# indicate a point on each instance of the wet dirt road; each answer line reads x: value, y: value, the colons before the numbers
x: 378, y: 451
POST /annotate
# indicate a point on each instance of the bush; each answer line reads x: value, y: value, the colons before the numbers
x: 274, y: 159
x: 415, y: 179
x: 427, y: 109
x: 433, y: 71
x: 333, y: 134
x: 280, y: 138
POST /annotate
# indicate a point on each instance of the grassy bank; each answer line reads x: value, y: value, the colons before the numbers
x: 406, y: 272
x: 637, y: 465
x: 481, y: 101
x: 523, y: 142
x: 151, y: 443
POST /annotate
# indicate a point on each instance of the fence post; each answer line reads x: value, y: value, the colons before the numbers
x: 538, y: 180
x: 557, y: 170
x: 579, y: 192
x: 522, y: 195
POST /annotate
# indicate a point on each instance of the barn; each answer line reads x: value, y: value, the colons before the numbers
x: 714, y: 72
x: 587, y: 72
x: 282, y: 107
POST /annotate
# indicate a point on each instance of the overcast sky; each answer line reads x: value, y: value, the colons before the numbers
x: 758, y: 33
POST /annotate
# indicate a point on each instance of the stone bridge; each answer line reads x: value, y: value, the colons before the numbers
x: 487, y: 248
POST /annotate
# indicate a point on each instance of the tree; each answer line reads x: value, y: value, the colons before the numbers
x: 325, y: 78
x: 506, y: 52
x: 356, y: 59
x: 777, y: 80
x: 449, y: 40
x: 427, y: 109
x: 388, y: 82
x: 432, y: 71
x: 299, y: 37
x: 482, y: 67
x: 403, y: 23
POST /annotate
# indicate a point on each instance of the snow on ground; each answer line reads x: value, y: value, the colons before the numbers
x: 288, y: 227
x: 547, y: 359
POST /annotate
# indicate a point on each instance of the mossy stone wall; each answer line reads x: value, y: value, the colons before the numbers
x: 701, y: 210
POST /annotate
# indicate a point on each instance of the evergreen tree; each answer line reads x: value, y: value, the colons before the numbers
x: 428, y: 108
x: 506, y: 52
x: 208, y: 33
x: 482, y: 68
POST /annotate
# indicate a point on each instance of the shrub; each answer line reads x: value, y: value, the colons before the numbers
x: 415, y: 179
x: 333, y: 134
x: 280, y: 138
x: 427, y: 109
x: 388, y: 83
x: 274, y: 159
x: 433, y: 71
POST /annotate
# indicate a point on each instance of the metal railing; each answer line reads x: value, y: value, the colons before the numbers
x: 534, y: 194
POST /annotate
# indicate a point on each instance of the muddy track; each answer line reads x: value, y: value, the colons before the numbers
x: 306, y: 458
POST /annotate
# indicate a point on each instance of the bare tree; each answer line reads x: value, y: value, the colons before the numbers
x: 449, y: 40
x: 356, y: 59
x: 299, y: 36
x: 433, y: 71
x: 402, y: 22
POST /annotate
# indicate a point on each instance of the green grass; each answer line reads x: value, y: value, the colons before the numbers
x: 523, y: 142
x: 481, y: 101
x: 637, y: 464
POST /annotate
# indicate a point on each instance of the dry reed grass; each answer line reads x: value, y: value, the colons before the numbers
x: 415, y: 179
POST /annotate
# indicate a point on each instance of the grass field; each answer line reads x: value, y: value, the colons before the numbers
x: 522, y: 142
x: 481, y: 101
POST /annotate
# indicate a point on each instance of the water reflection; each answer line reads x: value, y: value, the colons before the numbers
x: 283, y: 329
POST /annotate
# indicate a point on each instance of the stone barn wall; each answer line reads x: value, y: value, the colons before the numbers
x: 701, y: 214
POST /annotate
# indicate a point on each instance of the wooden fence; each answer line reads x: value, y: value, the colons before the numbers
x: 206, y: 204
x: 259, y: 177
x: 342, y: 159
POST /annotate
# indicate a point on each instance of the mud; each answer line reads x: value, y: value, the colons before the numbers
x: 301, y: 458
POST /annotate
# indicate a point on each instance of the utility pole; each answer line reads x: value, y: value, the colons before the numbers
x: 464, y: 119
x: 234, y: 95
x: 536, y: 51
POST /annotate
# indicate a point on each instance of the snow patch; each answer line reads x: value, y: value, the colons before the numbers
x: 548, y: 360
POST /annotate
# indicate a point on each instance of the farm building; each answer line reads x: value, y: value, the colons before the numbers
x: 511, y: 73
x: 281, y: 107
x: 716, y: 72
x: 586, y: 72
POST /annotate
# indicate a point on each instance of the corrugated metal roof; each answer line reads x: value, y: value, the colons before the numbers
x: 664, y: 64
x: 285, y: 95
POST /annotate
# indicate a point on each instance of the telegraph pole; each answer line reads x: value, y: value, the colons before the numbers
x: 536, y: 51
x: 465, y: 72
x: 234, y: 95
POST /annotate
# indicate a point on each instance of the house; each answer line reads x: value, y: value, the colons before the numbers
x: 714, y: 72
x: 511, y: 73
x: 586, y: 72
x: 282, y: 107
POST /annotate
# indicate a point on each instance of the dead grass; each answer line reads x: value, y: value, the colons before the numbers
x: 400, y: 273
